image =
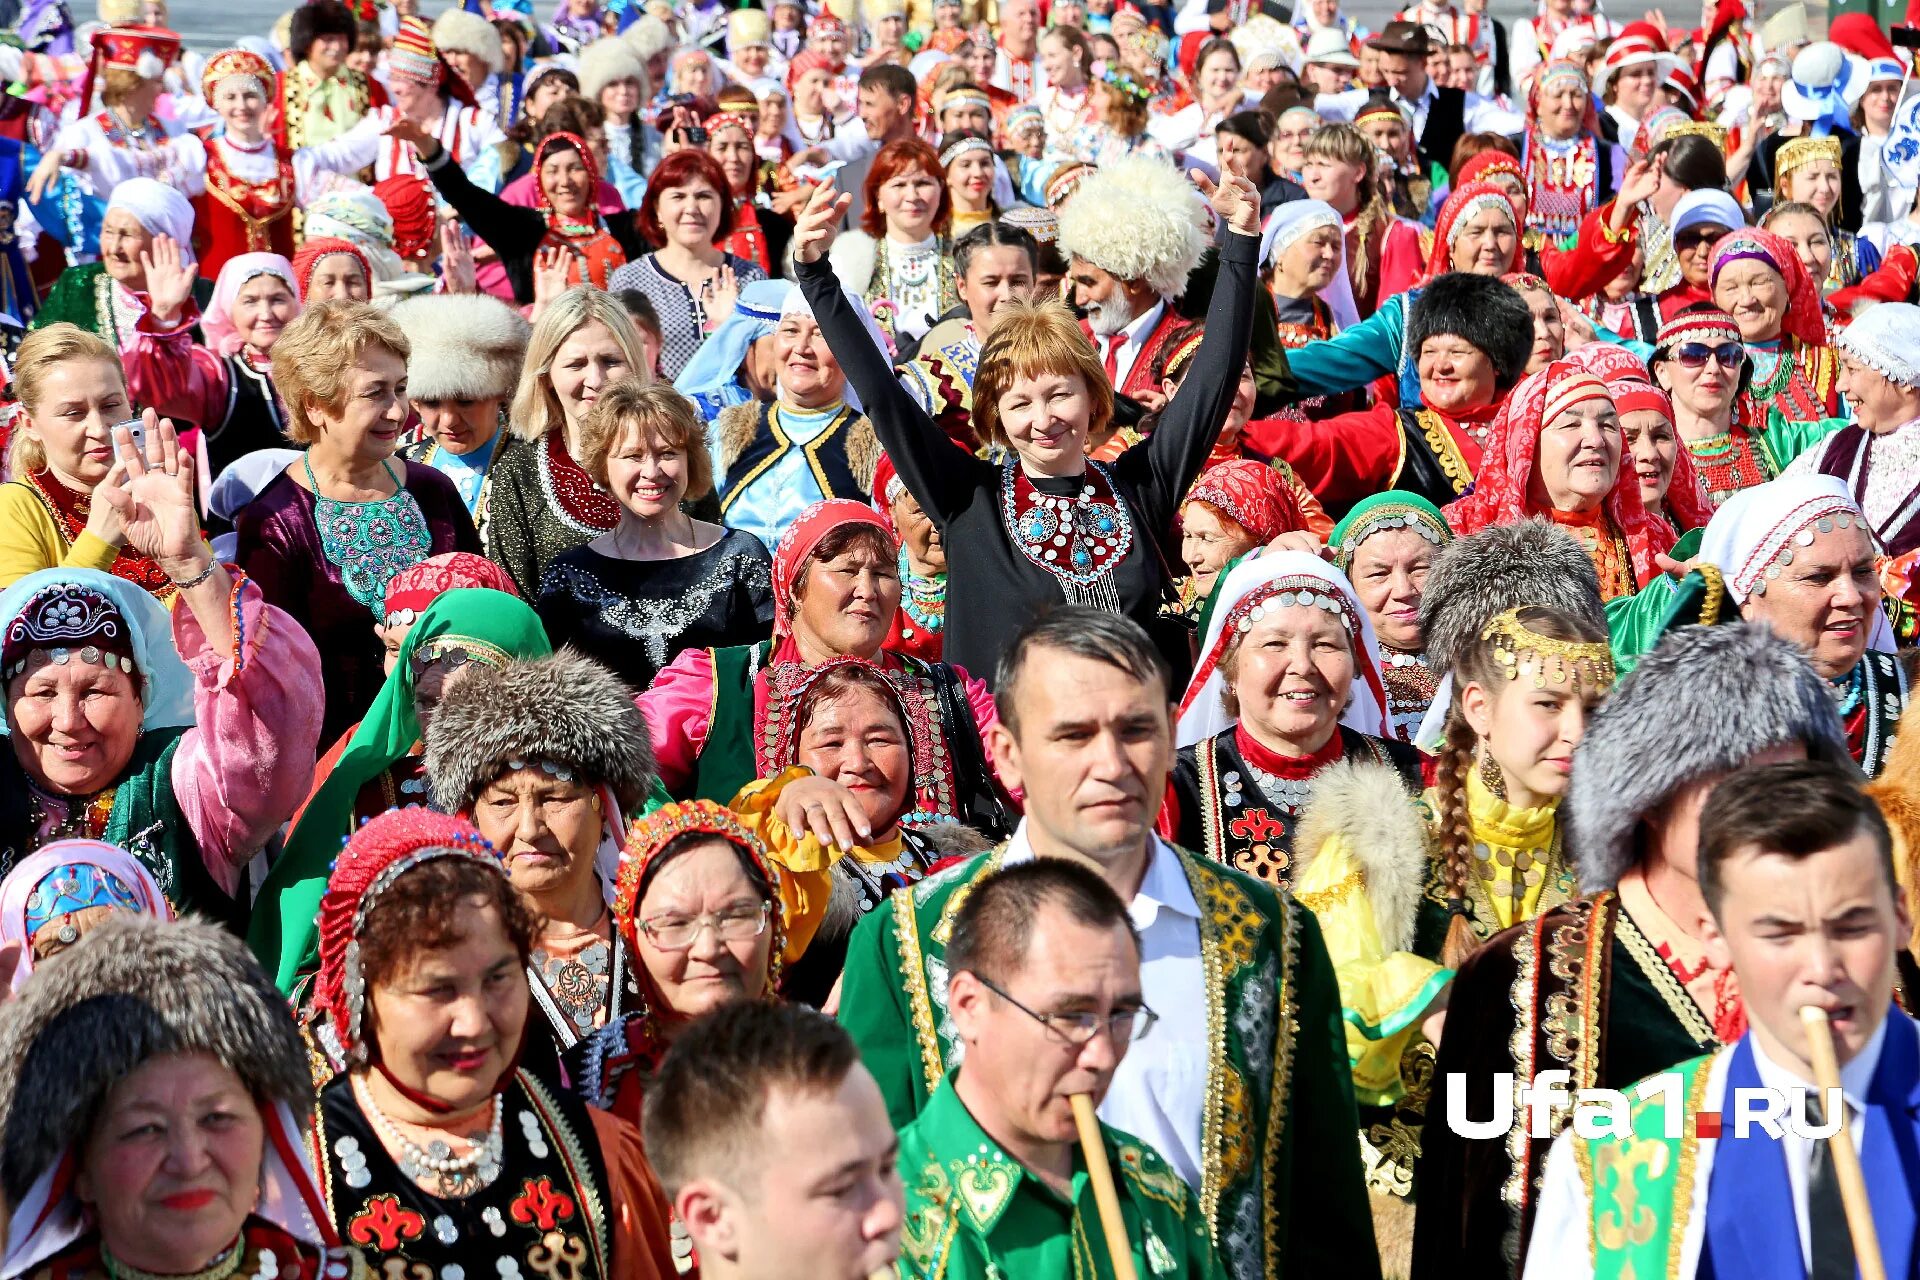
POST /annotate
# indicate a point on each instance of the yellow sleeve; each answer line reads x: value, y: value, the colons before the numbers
x: 1382, y: 992
x: 806, y: 865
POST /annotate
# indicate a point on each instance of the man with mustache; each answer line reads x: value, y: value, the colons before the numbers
x: 1246, y: 1070
x: 1796, y: 872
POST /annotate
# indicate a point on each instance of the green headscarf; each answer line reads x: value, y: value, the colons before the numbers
x: 1394, y: 509
x: 493, y: 627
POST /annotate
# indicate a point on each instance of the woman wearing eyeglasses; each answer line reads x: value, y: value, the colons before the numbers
x: 1702, y: 363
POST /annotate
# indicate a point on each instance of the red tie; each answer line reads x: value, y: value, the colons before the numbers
x: 1112, y: 358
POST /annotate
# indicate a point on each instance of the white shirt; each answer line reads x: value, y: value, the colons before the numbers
x: 1891, y: 480
x: 1479, y: 115
x: 1131, y: 340
x: 1159, y: 1090
x: 1560, y: 1248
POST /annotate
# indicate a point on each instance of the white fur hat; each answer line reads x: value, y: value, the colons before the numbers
x: 649, y: 37
x: 609, y: 61
x: 1137, y: 219
x: 465, y: 346
x: 456, y: 29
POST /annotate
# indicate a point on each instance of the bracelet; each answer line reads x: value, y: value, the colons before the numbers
x: 1621, y: 236
x: 197, y: 578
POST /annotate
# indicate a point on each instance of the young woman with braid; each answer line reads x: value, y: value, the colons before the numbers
x: 1405, y: 890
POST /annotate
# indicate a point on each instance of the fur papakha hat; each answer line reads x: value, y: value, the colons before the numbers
x: 133, y: 989
x: 607, y: 61
x: 1476, y: 578
x: 466, y: 346
x: 319, y: 18
x: 648, y: 37
x: 1704, y: 702
x: 1487, y: 312
x: 1139, y: 219
x: 566, y: 710
x: 456, y: 29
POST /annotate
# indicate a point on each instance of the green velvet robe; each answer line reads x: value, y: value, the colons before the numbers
x: 1281, y: 1183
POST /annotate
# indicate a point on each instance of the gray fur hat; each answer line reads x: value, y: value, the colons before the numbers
x: 1487, y: 312
x: 1476, y: 578
x: 132, y: 989
x: 1704, y: 702
x: 565, y: 710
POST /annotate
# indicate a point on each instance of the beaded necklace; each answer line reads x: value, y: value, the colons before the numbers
x: 452, y: 1176
x: 1080, y: 539
x: 369, y: 542
x: 923, y: 599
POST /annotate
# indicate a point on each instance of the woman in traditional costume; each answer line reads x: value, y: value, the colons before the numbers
x: 1807, y: 171
x: 1385, y: 546
x: 329, y: 269
x: 1384, y: 253
x: 661, y: 582
x: 1670, y: 486
x: 328, y: 534
x: 204, y: 723
x: 225, y: 387
x: 1118, y: 100
x: 124, y: 139
x: 901, y: 262
x: 1234, y: 507
x: 1303, y: 253
x: 567, y: 226
x: 1288, y: 683
x: 758, y: 234
x: 921, y: 623
x: 109, y: 297
x: 1557, y: 438
x: 1050, y: 524
x: 434, y: 1148
x: 1757, y: 278
x: 1218, y: 94
x: 547, y: 757
x: 719, y: 717
x: 56, y: 511
x: 252, y: 186
x: 967, y: 165
x: 690, y: 280
x: 541, y: 502
x: 1570, y: 170
x: 319, y: 97
x: 379, y: 763
x: 142, y: 1014
x: 53, y: 897
x: 1702, y: 364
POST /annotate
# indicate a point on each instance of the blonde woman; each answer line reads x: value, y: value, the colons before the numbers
x: 326, y: 535
x: 1384, y: 253
x: 71, y: 392
x: 542, y: 501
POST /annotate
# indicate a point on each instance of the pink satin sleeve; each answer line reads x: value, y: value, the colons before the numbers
x: 678, y: 708
x: 175, y: 376
x: 247, y: 762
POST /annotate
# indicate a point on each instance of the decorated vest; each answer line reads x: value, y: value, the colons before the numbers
x: 1431, y: 463
x: 1640, y: 1188
x: 239, y: 217
x: 826, y: 458
x: 1849, y: 455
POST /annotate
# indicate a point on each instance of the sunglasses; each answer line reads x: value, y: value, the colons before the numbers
x: 1694, y: 355
x: 1687, y: 241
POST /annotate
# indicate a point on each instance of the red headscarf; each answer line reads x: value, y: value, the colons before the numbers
x: 414, y: 588
x: 802, y: 536
x: 1634, y: 390
x: 305, y: 261
x: 1483, y: 167
x: 1803, y: 320
x: 808, y: 60
x: 1501, y: 489
x: 598, y: 253
x: 1468, y: 199
x: 405, y: 196
x: 1251, y: 494
x: 375, y: 856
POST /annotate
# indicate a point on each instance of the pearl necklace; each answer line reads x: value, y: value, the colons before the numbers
x: 455, y: 1175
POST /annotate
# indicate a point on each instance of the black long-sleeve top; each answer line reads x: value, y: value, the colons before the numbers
x: 513, y: 233
x: 992, y: 589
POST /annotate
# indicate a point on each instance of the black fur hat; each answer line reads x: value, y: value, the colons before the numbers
x: 132, y: 989
x: 320, y: 18
x: 1487, y: 312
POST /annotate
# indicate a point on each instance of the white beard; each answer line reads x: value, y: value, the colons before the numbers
x: 1112, y: 316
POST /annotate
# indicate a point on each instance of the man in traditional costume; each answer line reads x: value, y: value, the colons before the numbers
x: 1245, y: 1079
x: 1790, y: 853
x: 319, y: 97
x: 1615, y: 985
x: 1796, y: 554
x: 1125, y: 270
x: 465, y: 363
x: 1045, y: 995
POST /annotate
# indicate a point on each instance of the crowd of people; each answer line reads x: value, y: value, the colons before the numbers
x: 725, y: 580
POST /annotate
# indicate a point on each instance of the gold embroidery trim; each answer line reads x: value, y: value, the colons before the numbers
x: 1689, y: 1150
x: 1716, y: 596
x: 1214, y: 974
x: 1286, y: 1031
x: 1679, y: 1001
x: 1440, y: 440
x: 1318, y: 900
x: 913, y: 975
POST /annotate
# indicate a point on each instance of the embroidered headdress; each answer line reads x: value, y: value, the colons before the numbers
x: 1886, y: 339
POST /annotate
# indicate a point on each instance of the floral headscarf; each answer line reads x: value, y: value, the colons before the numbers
x: 67, y: 876
x: 1252, y: 494
x: 1501, y: 492
x: 1467, y: 200
x: 1803, y: 320
x: 798, y: 542
x: 415, y: 587
x: 1634, y: 390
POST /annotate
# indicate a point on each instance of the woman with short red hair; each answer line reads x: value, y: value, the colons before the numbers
x: 691, y: 281
x: 903, y: 263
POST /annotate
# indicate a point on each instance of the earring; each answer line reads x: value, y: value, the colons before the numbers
x: 1491, y: 776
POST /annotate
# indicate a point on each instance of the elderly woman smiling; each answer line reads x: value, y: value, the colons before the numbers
x: 325, y: 537
x: 153, y: 1089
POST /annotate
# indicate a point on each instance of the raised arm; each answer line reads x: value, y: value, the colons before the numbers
x: 1163, y: 466
x: 508, y: 229
x: 935, y: 469
x: 1353, y: 357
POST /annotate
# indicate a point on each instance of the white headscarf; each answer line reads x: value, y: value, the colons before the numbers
x: 159, y: 208
x: 1249, y: 590
x: 1753, y: 527
x: 796, y: 305
x: 1286, y: 224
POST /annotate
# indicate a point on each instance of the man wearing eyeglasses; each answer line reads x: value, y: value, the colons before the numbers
x: 1044, y: 993
x: 1243, y: 1088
